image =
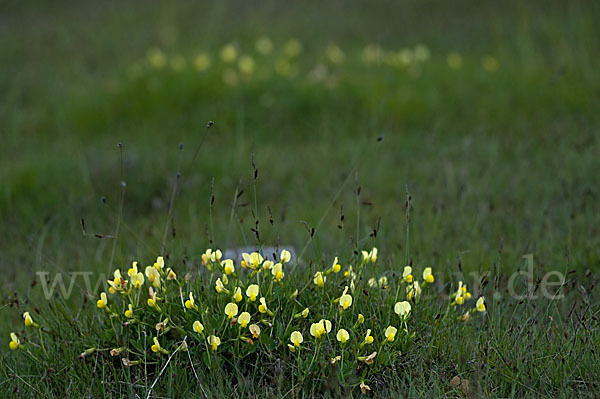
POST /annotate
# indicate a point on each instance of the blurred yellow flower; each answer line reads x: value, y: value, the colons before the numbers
x: 342, y: 336
x: 228, y: 53
x: 262, y: 308
x: 335, y: 266
x: 198, y: 327
x: 244, y: 319
x: 490, y: 64
x: 156, y: 58
x: 252, y: 292
x: 454, y: 60
x: 160, y: 263
x: 178, y: 63
x: 345, y: 300
x: 335, y: 54
x: 246, y: 65
x: 422, y: 53
x: 361, y: 319
x: 214, y: 342
x: 202, y: 62
x: 133, y: 269
x: 264, y: 45
x: 230, y: 77
x: 292, y: 48
x: 390, y: 333
x: 231, y: 310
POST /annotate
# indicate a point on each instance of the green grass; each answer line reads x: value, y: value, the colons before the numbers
x: 499, y: 165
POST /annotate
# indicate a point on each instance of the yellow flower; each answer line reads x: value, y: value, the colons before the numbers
x: 231, y: 310
x: 461, y: 294
x: 490, y: 64
x: 228, y: 267
x: 157, y: 348
x: 345, y: 301
x: 198, y: 327
x: 137, y: 279
x: 335, y: 54
x: 364, y: 388
x: 14, y: 343
x: 219, y: 287
x: 264, y: 45
x: 372, y: 282
x: 267, y: 265
x: 454, y: 60
x: 285, y: 256
x: 202, y: 62
x: 252, y: 292
x: 29, y: 321
x: 407, y: 274
x: 305, y: 313
x: 206, y: 257
x: 118, y: 283
x: 171, y: 274
x: 367, y: 359
x: 383, y: 281
x: 251, y: 261
x: 224, y: 279
x: 214, y: 342
x: 361, y: 319
x: 296, y: 338
x: 427, y: 276
x: 103, y: 301
x: 157, y: 58
x: 319, y: 279
x: 318, y: 329
x: 244, y: 319
x: 292, y: 48
x: 160, y: 263
x: 342, y: 336
x: 237, y: 295
x: 369, y: 338
x: 390, y: 333
x: 153, y: 275
x: 255, y: 330
x: 277, y: 272
x: 153, y: 303
x: 370, y: 256
x: 413, y: 290
x: 262, y: 308
x: 133, y: 269
x: 129, y: 311
x: 246, y: 65
x: 228, y: 53
x: 402, y: 309
x: 480, y: 306
x: 190, y: 303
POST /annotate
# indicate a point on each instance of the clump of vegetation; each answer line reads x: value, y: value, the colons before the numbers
x: 228, y: 317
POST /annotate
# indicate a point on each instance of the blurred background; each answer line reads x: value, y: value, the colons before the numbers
x: 487, y: 112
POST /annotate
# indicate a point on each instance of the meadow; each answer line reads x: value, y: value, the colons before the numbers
x: 464, y: 138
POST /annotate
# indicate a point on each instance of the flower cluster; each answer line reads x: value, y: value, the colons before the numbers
x: 257, y: 307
